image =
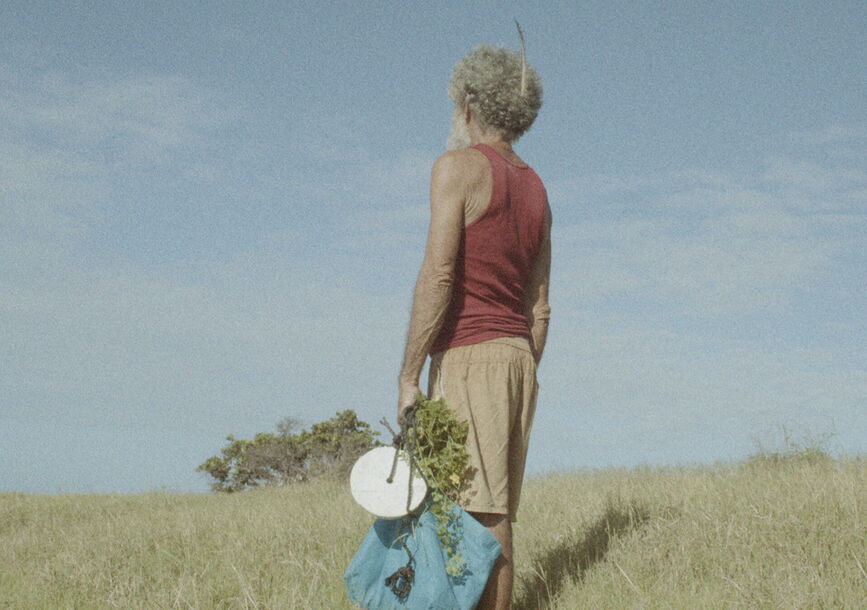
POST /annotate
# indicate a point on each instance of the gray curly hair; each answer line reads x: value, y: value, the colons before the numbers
x: 494, y: 77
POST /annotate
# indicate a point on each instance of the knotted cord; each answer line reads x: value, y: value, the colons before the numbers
x: 401, y: 581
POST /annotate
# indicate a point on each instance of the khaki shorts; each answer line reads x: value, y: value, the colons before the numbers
x: 491, y: 385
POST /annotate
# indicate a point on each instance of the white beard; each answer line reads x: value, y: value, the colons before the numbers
x: 459, y: 136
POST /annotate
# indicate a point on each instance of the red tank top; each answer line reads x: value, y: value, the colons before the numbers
x: 495, y: 258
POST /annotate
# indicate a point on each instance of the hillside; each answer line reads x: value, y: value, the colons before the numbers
x: 764, y: 534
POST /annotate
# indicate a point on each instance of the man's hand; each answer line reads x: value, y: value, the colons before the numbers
x: 406, y: 394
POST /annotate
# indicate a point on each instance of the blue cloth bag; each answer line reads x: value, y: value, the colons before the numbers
x: 382, y: 554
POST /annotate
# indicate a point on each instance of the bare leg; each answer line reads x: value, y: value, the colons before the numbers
x: 498, y: 592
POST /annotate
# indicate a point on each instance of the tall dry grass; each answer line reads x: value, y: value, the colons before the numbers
x: 766, y: 534
x: 787, y: 534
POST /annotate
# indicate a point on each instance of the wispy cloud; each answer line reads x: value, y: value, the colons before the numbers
x: 794, y: 175
x: 712, y: 244
x: 72, y: 149
x: 134, y: 119
x: 832, y: 134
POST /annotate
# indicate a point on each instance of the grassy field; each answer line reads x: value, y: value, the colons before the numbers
x: 763, y: 534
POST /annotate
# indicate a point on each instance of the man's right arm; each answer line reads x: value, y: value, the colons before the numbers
x: 536, y: 307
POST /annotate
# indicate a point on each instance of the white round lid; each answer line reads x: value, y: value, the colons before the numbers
x: 371, y: 489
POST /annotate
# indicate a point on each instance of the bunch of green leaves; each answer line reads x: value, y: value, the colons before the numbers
x: 442, y: 458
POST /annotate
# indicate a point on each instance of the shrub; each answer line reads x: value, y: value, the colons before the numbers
x: 328, y: 449
x: 810, y: 449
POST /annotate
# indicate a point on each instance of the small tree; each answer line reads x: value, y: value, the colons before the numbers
x: 334, y: 445
x: 329, y: 448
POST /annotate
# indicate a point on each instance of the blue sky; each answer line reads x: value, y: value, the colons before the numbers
x: 212, y: 214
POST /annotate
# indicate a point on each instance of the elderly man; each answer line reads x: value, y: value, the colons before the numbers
x: 480, y: 306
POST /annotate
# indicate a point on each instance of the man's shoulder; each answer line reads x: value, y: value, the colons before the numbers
x: 465, y: 164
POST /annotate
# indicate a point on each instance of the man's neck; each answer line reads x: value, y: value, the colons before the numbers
x: 503, y: 147
x: 492, y: 140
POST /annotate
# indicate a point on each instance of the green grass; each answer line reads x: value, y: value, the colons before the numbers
x: 769, y: 533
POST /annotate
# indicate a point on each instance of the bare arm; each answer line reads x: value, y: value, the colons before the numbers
x: 433, y: 288
x: 536, y: 307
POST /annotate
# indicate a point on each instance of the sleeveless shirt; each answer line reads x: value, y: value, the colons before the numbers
x: 495, y: 258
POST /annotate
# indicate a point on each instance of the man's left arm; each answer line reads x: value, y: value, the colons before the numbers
x: 435, y: 283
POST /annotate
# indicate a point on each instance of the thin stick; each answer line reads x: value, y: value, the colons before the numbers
x: 523, y: 60
x: 629, y: 580
x: 859, y: 564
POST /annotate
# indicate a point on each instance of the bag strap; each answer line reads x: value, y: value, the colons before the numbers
x: 406, y: 441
